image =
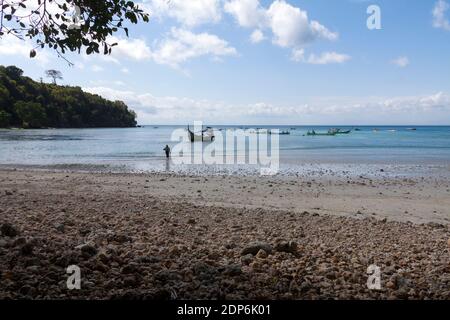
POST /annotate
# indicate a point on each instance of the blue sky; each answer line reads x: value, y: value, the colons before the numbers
x: 271, y: 62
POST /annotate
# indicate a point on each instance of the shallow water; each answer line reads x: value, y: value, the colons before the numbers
x: 140, y: 149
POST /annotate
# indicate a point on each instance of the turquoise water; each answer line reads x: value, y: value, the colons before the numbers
x: 141, y: 148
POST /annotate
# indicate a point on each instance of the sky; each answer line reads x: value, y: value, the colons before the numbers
x: 270, y: 62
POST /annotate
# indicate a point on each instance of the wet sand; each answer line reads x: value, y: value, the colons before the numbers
x: 194, y: 237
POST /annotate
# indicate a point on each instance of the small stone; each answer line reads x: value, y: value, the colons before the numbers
x: 130, y: 281
x: 27, y: 249
x: 255, y: 247
x: 390, y: 285
x: 87, y: 249
x: 19, y: 242
x: 436, y: 225
x: 192, y: 221
x: 448, y: 243
x: 8, y: 230
x: 261, y: 254
x: 119, y: 238
x: 247, y: 259
x: 233, y: 270
x: 60, y: 227
x: 130, y: 268
x: 289, y: 247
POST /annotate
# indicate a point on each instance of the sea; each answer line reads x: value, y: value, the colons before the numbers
x: 367, y: 148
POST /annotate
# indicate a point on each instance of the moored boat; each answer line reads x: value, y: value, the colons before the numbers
x: 204, y: 136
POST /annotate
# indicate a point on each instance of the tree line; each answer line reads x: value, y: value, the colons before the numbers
x: 25, y: 103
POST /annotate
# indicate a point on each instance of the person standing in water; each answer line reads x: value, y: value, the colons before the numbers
x: 167, y: 150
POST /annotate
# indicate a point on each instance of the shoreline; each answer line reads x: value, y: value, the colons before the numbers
x: 152, y: 236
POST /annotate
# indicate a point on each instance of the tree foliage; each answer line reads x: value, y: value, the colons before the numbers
x: 29, y: 104
x: 69, y: 25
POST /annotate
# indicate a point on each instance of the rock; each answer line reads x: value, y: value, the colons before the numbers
x: 192, y: 221
x: 390, y: 285
x: 130, y: 281
x: 436, y: 225
x: 448, y: 243
x: 60, y: 227
x: 119, y: 238
x: 284, y: 246
x: 100, y: 266
x: 8, y: 230
x: 261, y: 254
x: 88, y: 250
x: 84, y: 232
x: 166, y: 275
x: 233, y: 270
x: 27, y: 249
x: 19, y: 242
x: 103, y: 257
x: 247, y: 259
x: 8, y: 193
x: 3, y: 243
x: 130, y: 268
x: 255, y: 247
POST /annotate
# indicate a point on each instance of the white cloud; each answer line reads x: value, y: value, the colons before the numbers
x: 257, y: 36
x: 125, y: 70
x: 248, y: 13
x: 151, y: 108
x: 183, y: 45
x: 134, y: 49
x: 178, y: 47
x: 292, y: 28
x: 328, y: 58
x: 12, y: 46
x: 401, y: 62
x: 439, y: 19
x: 188, y: 13
x: 290, y: 25
x: 298, y: 55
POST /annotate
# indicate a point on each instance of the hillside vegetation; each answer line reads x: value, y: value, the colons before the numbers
x: 25, y: 103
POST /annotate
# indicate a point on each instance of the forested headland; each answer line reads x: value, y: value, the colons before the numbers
x: 25, y: 103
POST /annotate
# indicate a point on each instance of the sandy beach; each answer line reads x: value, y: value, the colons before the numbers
x: 152, y: 236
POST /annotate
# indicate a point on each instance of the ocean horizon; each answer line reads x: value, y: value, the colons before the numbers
x: 140, y: 149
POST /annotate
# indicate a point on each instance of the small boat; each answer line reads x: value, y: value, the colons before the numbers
x: 205, y: 136
x: 339, y: 131
x: 313, y: 133
x: 412, y: 129
x: 281, y: 133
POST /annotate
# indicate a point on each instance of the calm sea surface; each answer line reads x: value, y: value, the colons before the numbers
x: 140, y: 149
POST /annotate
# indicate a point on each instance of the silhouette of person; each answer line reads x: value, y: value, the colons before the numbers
x: 167, y: 150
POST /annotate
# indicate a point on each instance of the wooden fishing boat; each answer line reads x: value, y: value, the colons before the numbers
x: 339, y: 131
x: 205, y: 135
x: 313, y: 133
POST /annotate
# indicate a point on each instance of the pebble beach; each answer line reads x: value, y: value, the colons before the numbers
x: 156, y: 236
